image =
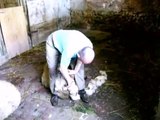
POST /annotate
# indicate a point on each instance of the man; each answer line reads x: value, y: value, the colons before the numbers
x: 65, y: 48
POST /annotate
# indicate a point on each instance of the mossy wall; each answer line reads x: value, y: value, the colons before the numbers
x: 128, y: 5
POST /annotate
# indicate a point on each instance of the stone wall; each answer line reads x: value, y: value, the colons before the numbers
x: 127, y: 5
x: 45, y: 16
x: 107, y: 5
x: 8, y: 3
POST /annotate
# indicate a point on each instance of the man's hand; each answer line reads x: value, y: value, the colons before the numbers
x: 72, y: 72
x: 70, y: 82
x: 66, y: 75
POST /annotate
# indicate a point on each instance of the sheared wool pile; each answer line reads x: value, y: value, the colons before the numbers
x: 10, y: 99
x: 95, y: 83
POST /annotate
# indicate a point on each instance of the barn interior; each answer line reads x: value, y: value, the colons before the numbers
x: 125, y: 35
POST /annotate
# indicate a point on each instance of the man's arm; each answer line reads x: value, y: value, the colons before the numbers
x: 66, y: 75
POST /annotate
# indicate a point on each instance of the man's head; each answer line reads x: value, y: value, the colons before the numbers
x: 86, y: 55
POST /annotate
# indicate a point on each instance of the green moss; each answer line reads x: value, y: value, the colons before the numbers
x: 83, y: 108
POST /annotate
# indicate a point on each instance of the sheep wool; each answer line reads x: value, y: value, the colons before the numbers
x: 95, y: 83
x: 60, y: 85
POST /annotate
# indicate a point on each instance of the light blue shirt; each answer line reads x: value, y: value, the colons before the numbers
x: 69, y: 43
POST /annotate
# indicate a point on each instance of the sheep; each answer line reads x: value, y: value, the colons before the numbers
x: 63, y: 92
x: 60, y: 85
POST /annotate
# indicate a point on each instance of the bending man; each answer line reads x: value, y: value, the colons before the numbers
x: 65, y: 48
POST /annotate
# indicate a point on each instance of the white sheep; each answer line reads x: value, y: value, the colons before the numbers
x: 10, y: 99
x: 62, y: 89
x: 60, y: 85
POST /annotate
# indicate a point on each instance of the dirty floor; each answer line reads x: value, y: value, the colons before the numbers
x: 25, y: 72
x: 108, y: 103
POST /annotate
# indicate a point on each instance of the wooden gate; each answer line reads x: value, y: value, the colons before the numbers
x: 13, y: 33
x: 3, y: 51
